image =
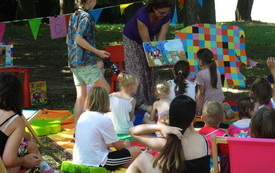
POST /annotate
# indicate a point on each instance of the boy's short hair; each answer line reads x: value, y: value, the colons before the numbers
x: 244, y: 106
x: 213, y: 113
x: 98, y: 100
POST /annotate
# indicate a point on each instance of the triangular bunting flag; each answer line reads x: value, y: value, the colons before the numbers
x: 67, y: 18
x: 123, y: 6
x: 96, y: 13
x: 35, y: 25
x: 175, y: 18
x: 200, y: 2
x: 181, y: 3
x: 58, y: 26
x: 2, y: 30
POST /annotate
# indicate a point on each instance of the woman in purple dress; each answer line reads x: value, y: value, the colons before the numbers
x: 149, y: 23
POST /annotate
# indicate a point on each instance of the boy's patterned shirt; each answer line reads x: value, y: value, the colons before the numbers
x: 82, y: 23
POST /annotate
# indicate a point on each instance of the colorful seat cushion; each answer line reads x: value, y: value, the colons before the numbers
x: 45, y: 127
x: 70, y: 167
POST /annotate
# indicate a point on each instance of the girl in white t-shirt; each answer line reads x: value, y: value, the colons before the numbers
x: 180, y: 84
x: 122, y: 104
x: 95, y: 132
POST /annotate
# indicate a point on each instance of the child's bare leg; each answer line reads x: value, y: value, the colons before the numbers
x: 81, y: 93
x: 146, y: 119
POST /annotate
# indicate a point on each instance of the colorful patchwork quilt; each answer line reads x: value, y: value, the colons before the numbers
x: 226, y: 42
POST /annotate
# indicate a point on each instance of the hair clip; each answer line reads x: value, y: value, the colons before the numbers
x: 180, y: 72
x: 124, y: 73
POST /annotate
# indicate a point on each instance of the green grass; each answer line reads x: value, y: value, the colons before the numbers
x: 260, y: 42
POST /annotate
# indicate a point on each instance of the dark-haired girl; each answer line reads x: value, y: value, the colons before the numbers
x: 181, y: 149
x: 181, y: 85
x: 208, y: 80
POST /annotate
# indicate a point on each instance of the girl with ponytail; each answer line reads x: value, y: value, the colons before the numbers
x: 182, y: 150
x: 181, y: 85
x: 208, y: 80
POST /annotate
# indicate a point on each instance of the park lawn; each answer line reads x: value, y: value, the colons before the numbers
x: 50, y: 60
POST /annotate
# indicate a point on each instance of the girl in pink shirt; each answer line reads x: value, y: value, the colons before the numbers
x: 246, y: 107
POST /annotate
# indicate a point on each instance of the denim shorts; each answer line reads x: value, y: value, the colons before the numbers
x: 86, y: 75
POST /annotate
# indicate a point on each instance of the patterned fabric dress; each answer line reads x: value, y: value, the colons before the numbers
x: 136, y: 63
x: 135, y: 60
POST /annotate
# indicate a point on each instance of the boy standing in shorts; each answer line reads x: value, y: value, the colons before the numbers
x: 82, y: 54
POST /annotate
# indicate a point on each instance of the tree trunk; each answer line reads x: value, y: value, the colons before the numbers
x: 194, y: 13
x: 25, y: 9
x: 243, y: 10
x: 67, y: 6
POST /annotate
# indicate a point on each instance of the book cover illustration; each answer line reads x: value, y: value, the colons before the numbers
x: 38, y: 93
x: 162, y: 53
x: 6, y: 54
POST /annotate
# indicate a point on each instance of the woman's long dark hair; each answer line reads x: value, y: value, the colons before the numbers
x: 207, y: 58
x: 181, y: 114
x: 157, y: 4
x: 11, y: 94
x: 182, y: 70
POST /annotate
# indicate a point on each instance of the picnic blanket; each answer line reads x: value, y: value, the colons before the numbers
x: 65, y: 140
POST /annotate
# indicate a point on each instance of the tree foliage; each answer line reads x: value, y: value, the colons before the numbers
x: 194, y: 13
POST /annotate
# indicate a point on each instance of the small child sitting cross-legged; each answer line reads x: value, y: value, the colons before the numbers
x: 95, y: 132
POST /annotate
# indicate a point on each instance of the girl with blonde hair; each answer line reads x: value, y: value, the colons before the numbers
x: 97, y: 130
x: 122, y: 104
x: 160, y: 107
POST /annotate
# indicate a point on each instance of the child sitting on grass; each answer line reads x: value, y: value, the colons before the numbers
x: 95, y: 132
x: 181, y: 84
x: 240, y: 128
x: 122, y: 104
x: 160, y: 107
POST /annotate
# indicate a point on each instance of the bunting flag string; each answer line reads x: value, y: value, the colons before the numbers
x: 181, y: 3
x: 35, y: 25
x: 200, y: 2
x: 2, y: 30
x: 175, y: 17
x: 123, y: 6
x: 96, y: 13
x: 59, y: 24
